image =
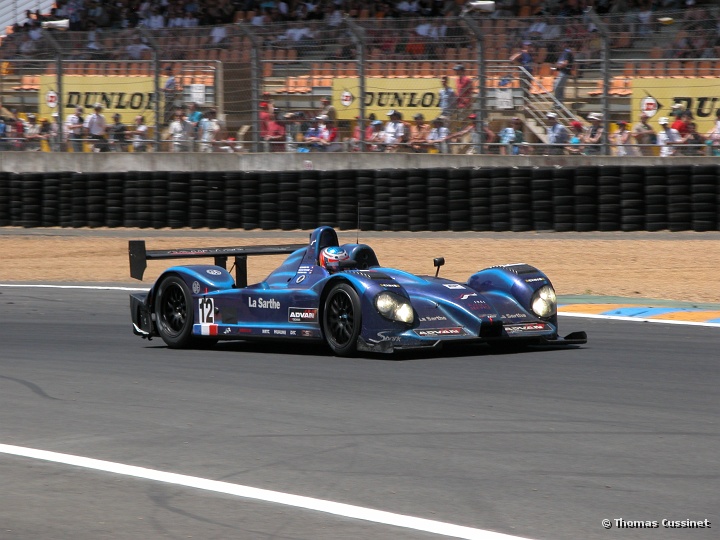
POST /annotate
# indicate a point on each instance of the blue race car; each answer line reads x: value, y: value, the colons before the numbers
x: 341, y: 295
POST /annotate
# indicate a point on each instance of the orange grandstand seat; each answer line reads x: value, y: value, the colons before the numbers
x: 351, y: 69
x: 599, y: 86
x: 374, y: 69
x: 424, y: 70
x: 302, y: 85
x: 704, y: 68
x: 620, y: 86
x: 322, y: 81
x: 644, y: 69
x: 675, y: 69
x: 401, y: 70
x: 541, y: 85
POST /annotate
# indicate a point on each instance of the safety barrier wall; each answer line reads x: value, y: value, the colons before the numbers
x: 582, y: 198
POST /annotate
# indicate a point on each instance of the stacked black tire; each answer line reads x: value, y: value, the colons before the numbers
x: 606, y: 198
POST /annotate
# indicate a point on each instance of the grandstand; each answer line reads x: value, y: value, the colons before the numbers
x: 393, y: 59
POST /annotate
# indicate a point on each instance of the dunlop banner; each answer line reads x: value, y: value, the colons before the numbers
x: 128, y: 96
x: 655, y: 97
x: 409, y: 96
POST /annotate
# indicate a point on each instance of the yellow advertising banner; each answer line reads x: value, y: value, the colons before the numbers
x: 128, y: 96
x: 656, y: 97
x: 409, y: 96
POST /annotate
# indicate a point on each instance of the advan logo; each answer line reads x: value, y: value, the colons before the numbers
x: 301, y: 315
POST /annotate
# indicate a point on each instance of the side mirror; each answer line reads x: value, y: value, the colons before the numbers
x: 437, y: 263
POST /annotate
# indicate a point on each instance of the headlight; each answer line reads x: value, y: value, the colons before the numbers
x: 544, y: 302
x: 394, y: 307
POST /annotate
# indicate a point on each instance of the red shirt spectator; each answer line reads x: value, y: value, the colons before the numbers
x: 265, y: 119
x: 682, y: 124
x: 464, y: 88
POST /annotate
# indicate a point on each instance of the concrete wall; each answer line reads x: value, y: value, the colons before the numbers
x: 24, y: 162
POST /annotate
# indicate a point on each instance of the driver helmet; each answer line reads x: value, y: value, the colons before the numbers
x: 330, y: 258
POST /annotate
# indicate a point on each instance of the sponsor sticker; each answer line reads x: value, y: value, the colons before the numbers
x: 453, y: 286
x: 431, y: 332
x: 383, y: 336
x: 196, y: 287
x: 301, y: 315
x: 262, y: 303
x: 213, y: 272
x: 528, y: 327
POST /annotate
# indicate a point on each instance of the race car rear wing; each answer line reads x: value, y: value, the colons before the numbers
x: 139, y: 256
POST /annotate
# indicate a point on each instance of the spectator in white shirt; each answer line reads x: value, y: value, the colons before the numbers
x: 96, y: 127
x: 136, y: 49
x: 667, y: 138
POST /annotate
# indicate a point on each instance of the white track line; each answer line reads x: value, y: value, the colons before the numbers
x: 578, y: 315
x: 636, y: 319
x: 90, y: 287
x: 329, y: 507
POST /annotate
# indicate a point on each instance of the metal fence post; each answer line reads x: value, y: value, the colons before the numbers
x: 605, y: 66
x: 477, y: 32
x: 255, y: 82
x: 358, y: 35
x: 61, y: 98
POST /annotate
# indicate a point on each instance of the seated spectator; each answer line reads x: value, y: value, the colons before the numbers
x: 218, y: 36
x: 136, y: 49
x: 415, y: 46
x: 155, y: 20
x: 296, y: 33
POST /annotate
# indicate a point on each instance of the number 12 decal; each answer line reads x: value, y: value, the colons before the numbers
x: 207, y: 311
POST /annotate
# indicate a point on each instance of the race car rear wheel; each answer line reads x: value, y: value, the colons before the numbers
x: 342, y: 319
x: 173, y: 313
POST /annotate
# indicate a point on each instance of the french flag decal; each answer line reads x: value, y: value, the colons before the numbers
x: 206, y: 329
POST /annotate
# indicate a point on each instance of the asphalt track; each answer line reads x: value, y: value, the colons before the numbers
x: 540, y: 444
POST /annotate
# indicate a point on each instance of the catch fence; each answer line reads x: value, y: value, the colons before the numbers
x: 625, y: 64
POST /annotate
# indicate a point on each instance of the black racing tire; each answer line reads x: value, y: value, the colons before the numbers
x: 342, y: 319
x: 174, y: 313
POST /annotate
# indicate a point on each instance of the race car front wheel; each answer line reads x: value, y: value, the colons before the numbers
x: 173, y: 312
x: 342, y: 319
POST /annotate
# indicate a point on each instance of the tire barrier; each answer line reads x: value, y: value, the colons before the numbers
x: 581, y: 199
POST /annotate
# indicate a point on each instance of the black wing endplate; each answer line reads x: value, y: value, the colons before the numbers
x: 139, y: 256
